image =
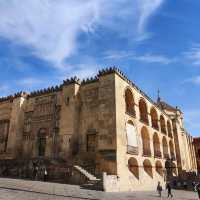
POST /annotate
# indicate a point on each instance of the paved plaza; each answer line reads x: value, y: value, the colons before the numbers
x: 35, y: 190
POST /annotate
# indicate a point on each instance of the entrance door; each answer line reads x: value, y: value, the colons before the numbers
x: 41, y: 142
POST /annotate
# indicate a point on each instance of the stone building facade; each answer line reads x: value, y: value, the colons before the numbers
x: 196, y: 142
x: 105, y: 124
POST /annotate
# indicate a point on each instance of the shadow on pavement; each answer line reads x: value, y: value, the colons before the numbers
x: 45, y: 193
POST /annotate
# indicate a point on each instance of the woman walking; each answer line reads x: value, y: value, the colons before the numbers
x: 159, y: 189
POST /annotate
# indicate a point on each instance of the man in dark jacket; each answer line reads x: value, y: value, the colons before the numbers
x: 197, y: 188
x: 169, y: 190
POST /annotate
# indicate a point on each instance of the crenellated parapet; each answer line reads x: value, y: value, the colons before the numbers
x: 44, y: 91
x: 116, y: 70
x: 7, y: 98
x: 12, y: 97
x: 76, y: 80
x: 71, y: 81
x: 90, y: 80
x: 111, y: 70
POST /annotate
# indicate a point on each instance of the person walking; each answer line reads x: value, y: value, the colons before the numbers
x: 159, y: 189
x: 45, y: 174
x: 169, y: 190
x: 197, y: 188
x: 36, y: 173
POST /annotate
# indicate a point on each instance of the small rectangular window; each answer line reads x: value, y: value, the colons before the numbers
x: 91, y: 142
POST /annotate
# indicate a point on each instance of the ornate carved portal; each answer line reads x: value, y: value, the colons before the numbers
x: 27, y: 125
x: 4, y: 130
x: 41, y: 142
x: 42, y: 124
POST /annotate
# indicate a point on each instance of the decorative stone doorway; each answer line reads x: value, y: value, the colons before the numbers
x: 41, y: 142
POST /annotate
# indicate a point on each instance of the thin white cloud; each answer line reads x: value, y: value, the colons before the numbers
x: 50, y: 28
x: 151, y: 58
x: 194, y: 80
x: 84, y: 70
x: 4, y: 90
x: 29, y: 82
x: 117, y: 55
x: 147, y: 58
x: 3, y: 87
x: 192, y: 118
x: 146, y: 9
x: 193, y: 55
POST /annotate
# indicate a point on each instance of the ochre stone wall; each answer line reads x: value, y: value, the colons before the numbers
x: 86, y: 122
x: 5, y: 114
x: 196, y: 143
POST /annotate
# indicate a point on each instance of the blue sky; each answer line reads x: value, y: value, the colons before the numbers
x: 155, y: 42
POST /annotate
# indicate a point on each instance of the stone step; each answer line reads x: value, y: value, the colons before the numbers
x: 86, y: 173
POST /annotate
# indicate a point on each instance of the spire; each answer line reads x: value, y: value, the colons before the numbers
x: 158, y: 98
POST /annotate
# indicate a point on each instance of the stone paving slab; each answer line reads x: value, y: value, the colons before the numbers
x: 13, y: 189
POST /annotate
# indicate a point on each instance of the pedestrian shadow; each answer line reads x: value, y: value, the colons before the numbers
x: 45, y: 193
x: 153, y: 195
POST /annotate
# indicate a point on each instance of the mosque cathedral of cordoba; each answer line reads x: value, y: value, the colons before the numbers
x: 104, y: 129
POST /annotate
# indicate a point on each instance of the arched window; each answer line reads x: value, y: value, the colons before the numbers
x: 146, y: 142
x: 171, y: 148
x: 143, y: 111
x: 159, y: 168
x: 133, y: 167
x: 148, y: 167
x: 41, y: 142
x: 165, y: 148
x: 132, y: 143
x: 4, y: 131
x: 154, y: 118
x: 162, y: 124
x: 169, y: 129
x: 174, y: 126
x: 129, y: 102
x: 199, y: 153
x: 156, y: 145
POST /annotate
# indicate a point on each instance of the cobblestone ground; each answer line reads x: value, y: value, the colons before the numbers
x: 35, y: 190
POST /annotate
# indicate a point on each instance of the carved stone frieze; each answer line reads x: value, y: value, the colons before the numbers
x: 4, y: 129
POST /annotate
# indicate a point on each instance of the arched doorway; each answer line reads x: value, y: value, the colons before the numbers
x: 154, y: 118
x: 156, y: 146
x: 169, y: 129
x: 145, y: 142
x: 41, y: 140
x: 133, y: 167
x: 148, y: 167
x: 129, y: 100
x: 132, y: 143
x: 159, y: 168
x: 171, y: 148
x: 165, y: 148
x: 162, y: 124
x: 143, y: 111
